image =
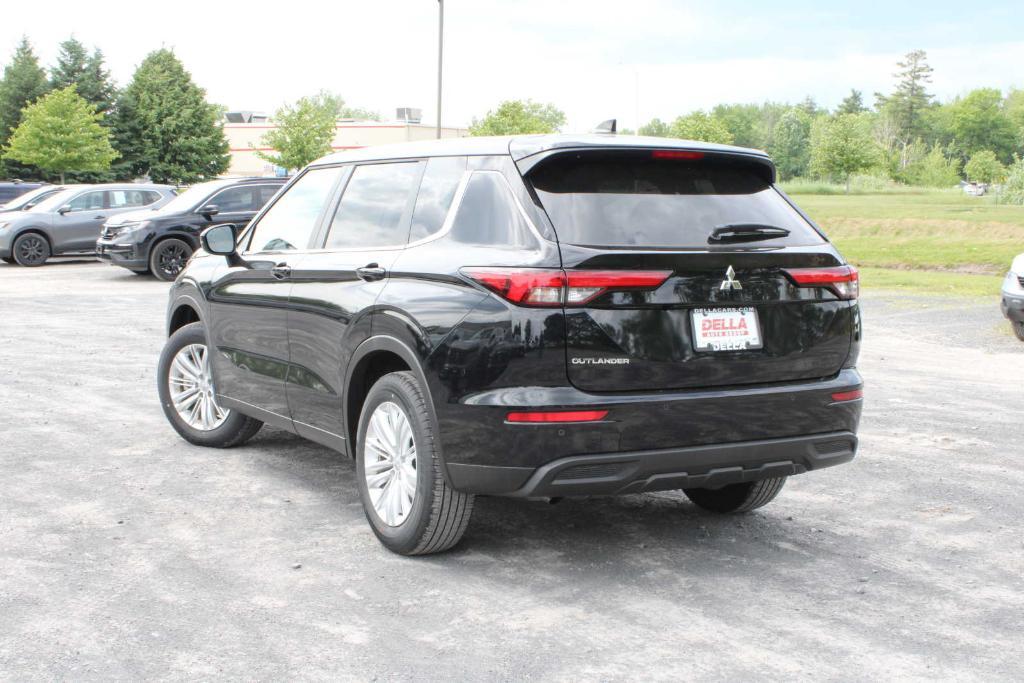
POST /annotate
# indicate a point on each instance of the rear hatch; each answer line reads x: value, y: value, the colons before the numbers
x: 688, y: 269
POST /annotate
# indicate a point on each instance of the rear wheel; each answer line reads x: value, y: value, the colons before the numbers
x: 30, y: 249
x: 737, y: 497
x: 1018, y: 329
x: 168, y: 258
x: 189, y: 398
x: 410, y: 507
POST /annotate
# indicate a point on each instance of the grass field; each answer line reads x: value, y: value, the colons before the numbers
x: 940, y: 241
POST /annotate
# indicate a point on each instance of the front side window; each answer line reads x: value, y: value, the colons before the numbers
x: 234, y: 199
x: 289, y: 223
x: 437, y: 189
x: 89, y: 201
x: 375, y: 207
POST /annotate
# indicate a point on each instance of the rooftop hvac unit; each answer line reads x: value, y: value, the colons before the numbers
x: 409, y: 114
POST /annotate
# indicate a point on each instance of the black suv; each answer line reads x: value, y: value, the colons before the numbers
x: 543, y: 317
x: 14, y: 189
x: 161, y: 241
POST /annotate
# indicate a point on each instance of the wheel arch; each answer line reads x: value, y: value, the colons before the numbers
x: 183, y: 311
x: 372, y: 359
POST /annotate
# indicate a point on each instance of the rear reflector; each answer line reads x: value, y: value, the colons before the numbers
x: 540, y: 287
x: 558, y: 416
x: 843, y: 281
x: 676, y: 154
x: 852, y: 395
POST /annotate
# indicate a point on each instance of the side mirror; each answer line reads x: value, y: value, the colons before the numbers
x: 219, y: 240
x: 209, y: 210
x: 64, y: 209
x: 28, y: 206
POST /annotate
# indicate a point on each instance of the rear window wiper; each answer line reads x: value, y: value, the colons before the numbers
x: 746, y: 232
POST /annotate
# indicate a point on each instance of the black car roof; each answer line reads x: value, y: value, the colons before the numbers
x: 522, y: 146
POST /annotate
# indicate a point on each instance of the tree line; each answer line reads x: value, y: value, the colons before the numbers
x: 906, y: 135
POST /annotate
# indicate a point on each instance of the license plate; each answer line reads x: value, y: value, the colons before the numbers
x: 725, y: 329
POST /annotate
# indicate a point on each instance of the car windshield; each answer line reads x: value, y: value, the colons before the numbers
x: 54, y: 202
x: 192, y: 197
x: 29, y: 197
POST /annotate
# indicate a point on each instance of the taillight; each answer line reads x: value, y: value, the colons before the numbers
x: 843, y: 281
x: 541, y: 287
x: 852, y: 395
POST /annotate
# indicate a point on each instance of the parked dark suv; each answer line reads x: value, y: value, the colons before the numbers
x: 162, y: 241
x: 543, y: 317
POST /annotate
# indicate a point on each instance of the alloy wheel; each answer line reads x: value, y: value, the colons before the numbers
x: 191, y: 388
x: 389, y: 463
x: 171, y: 259
x: 31, y: 250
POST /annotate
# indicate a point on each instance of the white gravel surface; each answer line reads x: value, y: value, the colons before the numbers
x: 126, y: 553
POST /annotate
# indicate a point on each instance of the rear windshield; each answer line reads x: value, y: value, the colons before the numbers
x: 637, y: 200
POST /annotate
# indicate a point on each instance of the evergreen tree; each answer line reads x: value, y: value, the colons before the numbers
x: 852, y: 103
x: 23, y: 82
x: 75, y: 66
x: 907, y: 106
x: 165, y: 128
x: 61, y: 132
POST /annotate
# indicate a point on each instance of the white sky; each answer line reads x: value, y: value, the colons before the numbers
x: 595, y: 60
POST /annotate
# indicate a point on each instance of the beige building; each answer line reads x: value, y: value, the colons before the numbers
x: 245, y: 140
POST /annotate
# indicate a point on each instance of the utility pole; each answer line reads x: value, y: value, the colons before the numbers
x: 440, y: 60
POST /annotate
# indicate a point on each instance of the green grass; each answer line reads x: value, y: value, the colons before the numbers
x: 931, y: 241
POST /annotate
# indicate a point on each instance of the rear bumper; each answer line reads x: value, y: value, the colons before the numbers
x: 710, y: 466
x: 647, y: 441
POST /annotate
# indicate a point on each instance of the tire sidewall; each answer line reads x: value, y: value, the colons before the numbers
x: 406, y: 536
x: 154, y: 254
x: 26, y: 235
x: 193, y: 333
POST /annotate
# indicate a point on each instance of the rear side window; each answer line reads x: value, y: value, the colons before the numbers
x: 637, y: 200
x: 488, y: 214
x: 437, y: 189
x: 121, y: 199
x: 289, y: 223
x: 235, y: 199
x: 375, y: 208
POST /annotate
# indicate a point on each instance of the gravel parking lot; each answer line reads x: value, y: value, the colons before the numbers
x: 127, y: 553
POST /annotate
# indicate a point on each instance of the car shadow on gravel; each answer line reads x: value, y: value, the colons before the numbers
x: 602, y: 531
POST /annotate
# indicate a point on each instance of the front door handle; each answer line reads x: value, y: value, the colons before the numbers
x: 371, y: 272
x: 282, y: 271
x: 98, y: 217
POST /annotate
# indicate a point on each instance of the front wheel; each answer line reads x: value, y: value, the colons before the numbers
x: 410, y: 507
x: 189, y: 398
x: 737, y: 497
x: 168, y: 258
x: 30, y: 249
x: 1018, y: 329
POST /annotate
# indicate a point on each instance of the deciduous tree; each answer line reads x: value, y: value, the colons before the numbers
x: 699, y: 125
x: 791, y: 144
x: 304, y: 131
x: 984, y: 167
x: 61, y: 133
x: 519, y: 117
x: 841, y: 146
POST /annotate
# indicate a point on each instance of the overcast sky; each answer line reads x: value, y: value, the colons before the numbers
x: 594, y: 60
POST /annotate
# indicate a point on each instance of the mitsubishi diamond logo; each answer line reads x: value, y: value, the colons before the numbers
x: 730, y: 281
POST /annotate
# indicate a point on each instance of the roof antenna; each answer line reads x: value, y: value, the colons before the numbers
x: 606, y: 127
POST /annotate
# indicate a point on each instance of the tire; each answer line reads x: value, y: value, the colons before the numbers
x: 737, y: 497
x: 233, y: 429
x: 7, y: 259
x: 1018, y: 329
x: 438, y: 515
x: 167, y: 258
x: 30, y: 249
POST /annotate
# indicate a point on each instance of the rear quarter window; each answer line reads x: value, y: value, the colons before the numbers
x: 636, y: 200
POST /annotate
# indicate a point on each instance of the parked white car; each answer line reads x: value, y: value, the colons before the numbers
x: 1013, y: 296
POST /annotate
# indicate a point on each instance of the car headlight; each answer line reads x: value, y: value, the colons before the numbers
x: 127, y: 229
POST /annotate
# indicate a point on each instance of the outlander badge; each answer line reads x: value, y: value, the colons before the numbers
x: 730, y: 281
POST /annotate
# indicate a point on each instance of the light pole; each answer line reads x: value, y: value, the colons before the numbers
x: 440, y: 60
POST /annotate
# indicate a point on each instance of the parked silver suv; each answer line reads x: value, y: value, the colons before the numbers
x: 69, y: 222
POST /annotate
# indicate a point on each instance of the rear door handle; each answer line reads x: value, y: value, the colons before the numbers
x: 98, y: 217
x: 282, y: 271
x: 371, y: 272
